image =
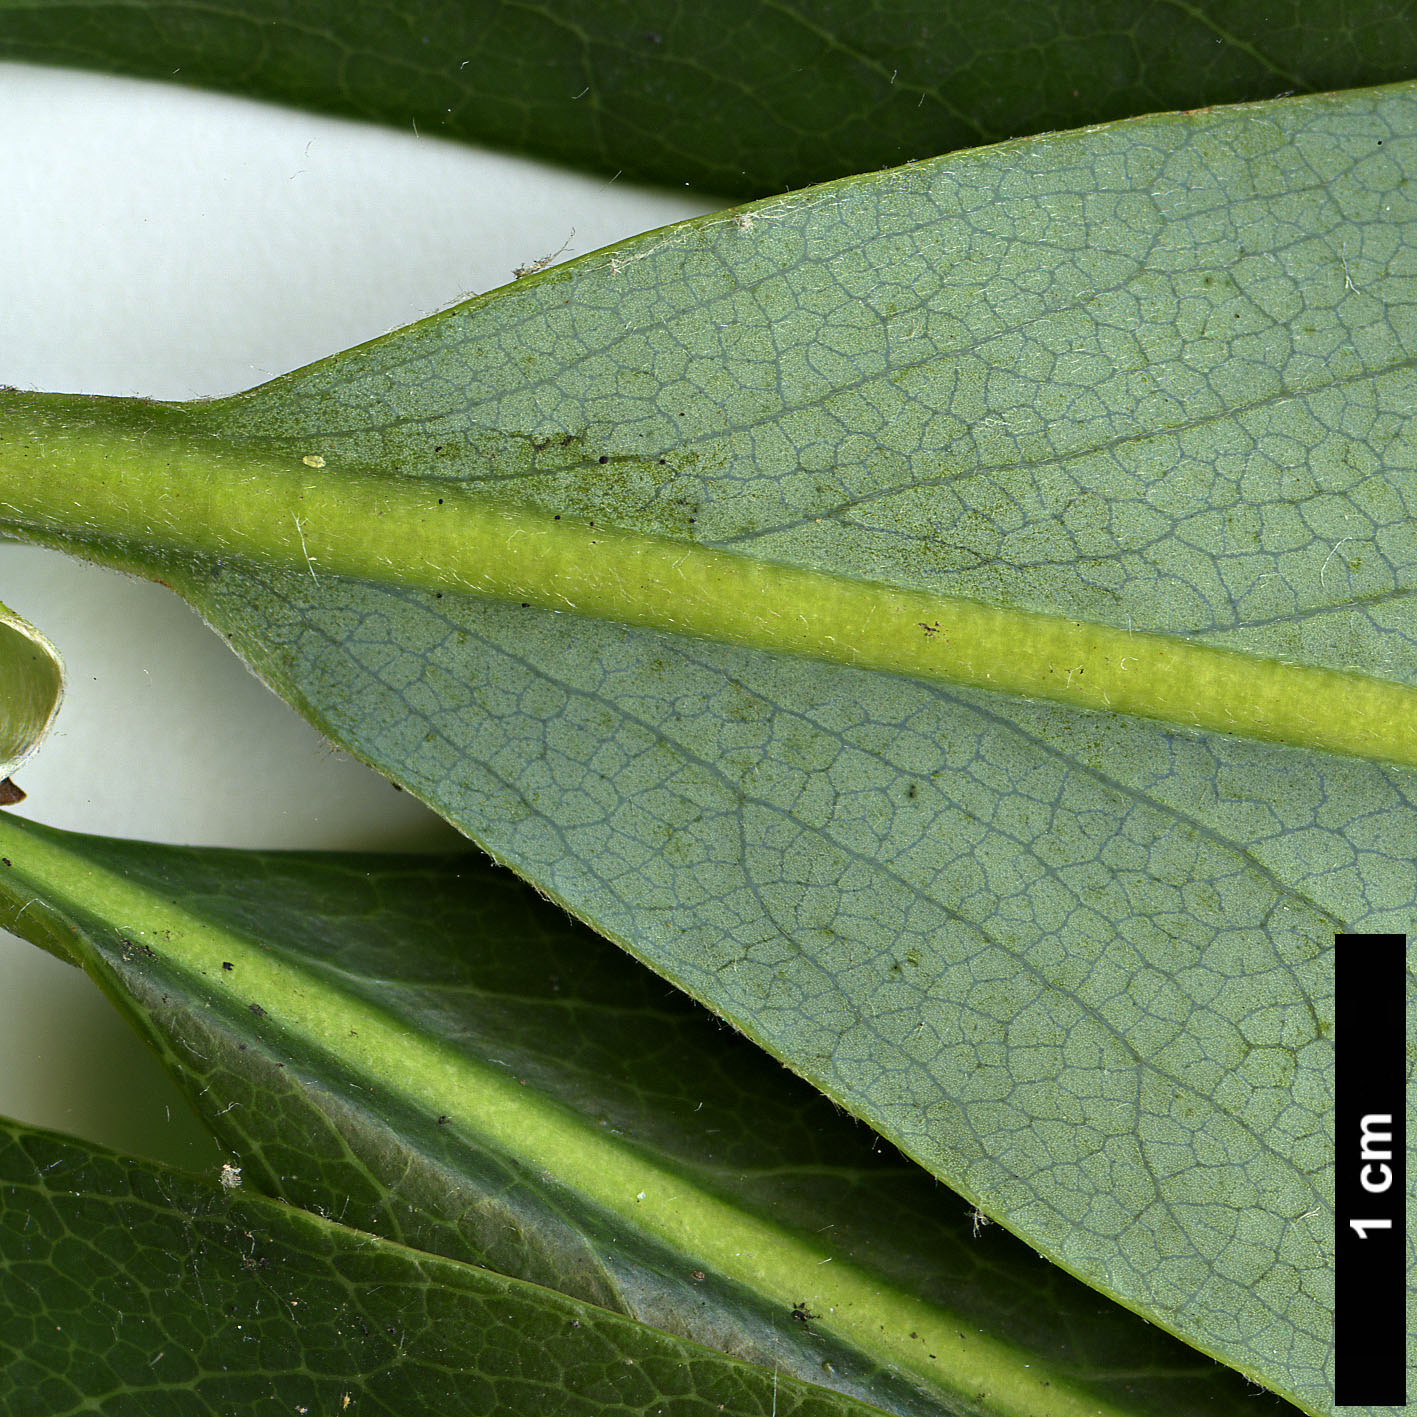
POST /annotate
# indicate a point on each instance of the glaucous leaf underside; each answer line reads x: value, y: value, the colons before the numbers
x: 1154, y: 376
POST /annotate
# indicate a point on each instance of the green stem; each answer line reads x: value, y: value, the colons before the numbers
x: 135, y: 475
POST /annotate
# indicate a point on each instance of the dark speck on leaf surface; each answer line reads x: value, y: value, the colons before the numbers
x: 258, y: 1011
x: 227, y: 964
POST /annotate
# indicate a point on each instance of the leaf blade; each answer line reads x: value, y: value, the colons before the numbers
x: 177, y: 1272
x: 749, y: 100
x: 446, y: 956
x: 898, y: 889
x: 34, y: 689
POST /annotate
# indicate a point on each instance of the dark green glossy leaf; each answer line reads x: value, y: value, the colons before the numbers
x: 138, y: 1291
x: 737, y: 96
x: 753, y: 1210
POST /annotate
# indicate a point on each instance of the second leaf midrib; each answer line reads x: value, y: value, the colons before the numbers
x: 861, y: 1308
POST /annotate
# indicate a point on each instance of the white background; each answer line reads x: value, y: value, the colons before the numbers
x: 171, y: 244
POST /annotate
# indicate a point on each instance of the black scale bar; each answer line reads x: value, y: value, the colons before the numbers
x: 1370, y: 1250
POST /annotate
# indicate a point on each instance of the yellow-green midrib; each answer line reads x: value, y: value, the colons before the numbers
x: 864, y: 1310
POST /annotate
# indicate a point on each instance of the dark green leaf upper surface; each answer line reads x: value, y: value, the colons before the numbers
x: 1156, y: 375
x: 137, y: 1291
x: 460, y: 957
x: 737, y: 97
